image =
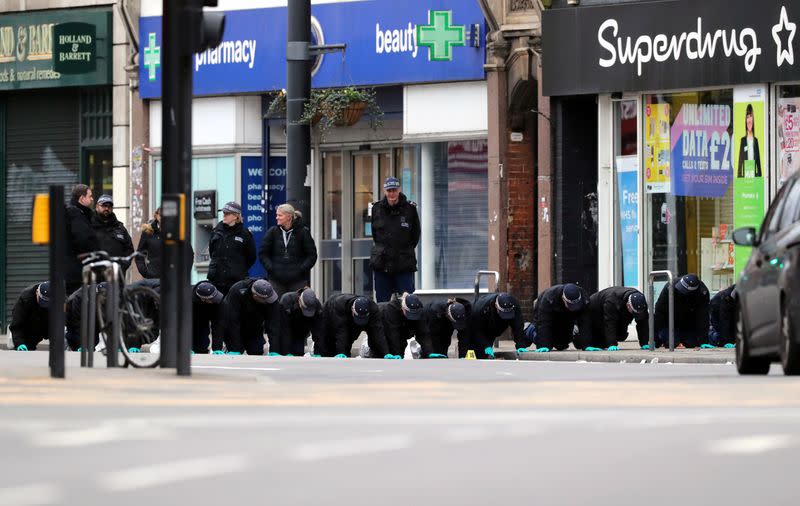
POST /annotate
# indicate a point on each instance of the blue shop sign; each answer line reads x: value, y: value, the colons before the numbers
x: 381, y: 38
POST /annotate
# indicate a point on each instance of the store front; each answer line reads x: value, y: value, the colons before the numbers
x: 696, y: 131
x: 55, y: 125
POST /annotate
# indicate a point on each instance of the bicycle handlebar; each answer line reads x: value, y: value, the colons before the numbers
x: 92, y: 256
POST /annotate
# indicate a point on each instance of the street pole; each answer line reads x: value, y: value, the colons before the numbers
x: 58, y: 269
x: 298, y: 90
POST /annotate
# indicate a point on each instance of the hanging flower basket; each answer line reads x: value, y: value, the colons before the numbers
x: 352, y: 114
x: 341, y: 107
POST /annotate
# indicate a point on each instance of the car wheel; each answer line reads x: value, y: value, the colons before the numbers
x: 746, y: 364
x: 790, y: 351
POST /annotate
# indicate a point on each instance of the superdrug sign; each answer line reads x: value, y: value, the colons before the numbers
x: 670, y: 44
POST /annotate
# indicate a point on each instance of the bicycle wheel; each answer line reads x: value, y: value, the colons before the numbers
x: 139, y: 317
x: 104, y: 328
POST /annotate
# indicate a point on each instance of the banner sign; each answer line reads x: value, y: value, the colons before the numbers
x: 750, y: 133
x: 253, y: 205
x: 55, y: 48
x: 381, y: 38
x: 702, y: 151
x: 669, y: 44
x: 657, y: 148
x: 628, y: 187
x: 788, y: 138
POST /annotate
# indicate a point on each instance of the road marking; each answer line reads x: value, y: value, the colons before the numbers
x: 751, y: 445
x: 29, y: 495
x: 349, y: 448
x: 230, y: 368
x: 105, y: 432
x: 181, y: 470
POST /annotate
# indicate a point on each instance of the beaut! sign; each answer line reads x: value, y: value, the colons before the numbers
x: 669, y: 44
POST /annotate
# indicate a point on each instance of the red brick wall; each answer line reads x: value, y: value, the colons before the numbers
x: 522, y: 250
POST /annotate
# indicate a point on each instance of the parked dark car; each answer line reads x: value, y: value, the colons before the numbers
x: 768, y: 291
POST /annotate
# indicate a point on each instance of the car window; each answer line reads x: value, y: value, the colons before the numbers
x: 772, y: 221
x: 791, y: 207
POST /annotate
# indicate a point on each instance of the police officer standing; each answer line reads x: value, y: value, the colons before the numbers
x: 249, y: 306
x: 395, y: 233
x: 403, y: 319
x: 29, y: 318
x: 556, y: 311
x: 112, y: 237
x: 303, y: 315
x: 346, y: 316
x: 442, y: 318
x: 207, y: 314
x: 232, y: 249
x: 722, y: 314
x: 691, y: 313
x: 492, y: 314
x: 612, y: 310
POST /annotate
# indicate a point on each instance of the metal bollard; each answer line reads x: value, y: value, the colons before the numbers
x: 112, y: 314
x: 652, y: 309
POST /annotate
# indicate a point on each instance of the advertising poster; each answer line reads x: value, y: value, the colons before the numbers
x: 702, y: 151
x: 253, y: 208
x: 657, y: 148
x: 628, y: 188
x: 750, y: 138
x: 788, y: 138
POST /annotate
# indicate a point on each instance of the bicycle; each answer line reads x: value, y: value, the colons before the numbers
x: 129, y: 326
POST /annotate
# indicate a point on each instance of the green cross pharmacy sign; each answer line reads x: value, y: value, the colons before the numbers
x: 440, y: 36
x: 152, y: 56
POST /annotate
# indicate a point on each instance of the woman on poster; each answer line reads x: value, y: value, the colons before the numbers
x: 749, y: 153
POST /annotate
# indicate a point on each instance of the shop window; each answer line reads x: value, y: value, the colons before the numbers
x: 788, y: 132
x: 689, y: 179
x: 626, y: 198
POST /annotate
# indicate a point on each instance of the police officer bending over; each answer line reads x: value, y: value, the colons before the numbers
x: 303, y: 314
x: 691, y: 313
x: 492, y: 315
x: 346, y: 316
x: 252, y: 304
x: 402, y: 320
x: 207, y: 314
x: 442, y: 318
x: 612, y: 310
x: 722, y: 314
x: 29, y: 318
x: 556, y: 311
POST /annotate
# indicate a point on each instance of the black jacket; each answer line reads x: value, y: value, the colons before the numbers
x: 722, y: 313
x: 395, y: 232
x: 291, y: 262
x: 610, y: 317
x: 440, y: 328
x: 81, y: 237
x: 399, y: 329
x: 691, y: 314
x: 29, y: 322
x: 150, y: 245
x: 112, y: 236
x: 485, y: 323
x: 341, y: 331
x: 554, y: 322
x: 299, y: 326
x: 239, y: 310
x: 203, y: 316
x: 232, y: 251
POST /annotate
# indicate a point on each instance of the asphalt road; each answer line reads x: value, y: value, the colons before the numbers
x: 281, y: 431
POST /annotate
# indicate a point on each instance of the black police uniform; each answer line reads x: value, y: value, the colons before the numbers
x: 395, y: 232
x: 29, y: 320
x: 341, y: 331
x: 399, y: 329
x: 233, y: 251
x: 691, y: 316
x: 610, y: 317
x: 112, y: 237
x: 485, y: 325
x: 722, y: 315
x: 299, y: 326
x: 245, y: 320
x: 555, y: 322
x: 206, y: 316
x: 440, y: 328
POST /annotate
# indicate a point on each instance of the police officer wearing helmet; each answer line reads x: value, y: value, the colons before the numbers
x: 556, y: 312
x: 29, y: 318
x: 491, y: 315
x: 346, y: 316
x: 403, y: 319
x: 442, y: 318
x: 232, y: 249
x: 691, y: 313
x: 303, y: 314
x: 612, y: 310
x: 249, y: 307
x: 207, y: 315
x: 395, y: 232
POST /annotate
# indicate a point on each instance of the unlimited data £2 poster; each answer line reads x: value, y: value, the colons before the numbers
x: 657, y: 148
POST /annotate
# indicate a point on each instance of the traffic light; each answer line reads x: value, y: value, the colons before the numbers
x: 206, y: 27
